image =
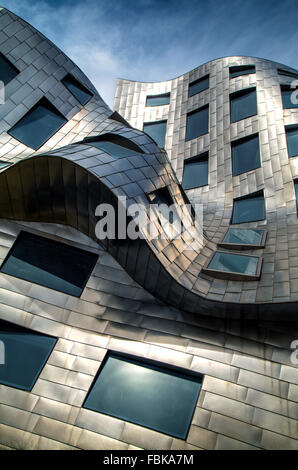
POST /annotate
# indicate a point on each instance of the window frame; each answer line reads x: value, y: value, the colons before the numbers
x: 241, y: 68
x: 195, y: 82
x: 286, y: 88
x: 243, y: 246
x: 289, y: 128
x: 238, y: 94
x: 249, y: 196
x: 204, y: 157
x: 193, y: 112
x: 161, y: 95
x: 242, y: 140
x: 13, y: 67
x: 84, y: 88
x: 160, y: 121
x: 233, y: 275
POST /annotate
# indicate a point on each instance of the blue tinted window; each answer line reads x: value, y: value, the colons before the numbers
x: 49, y: 263
x: 243, y: 104
x: 289, y: 96
x: 198, y: 85
x: 292, y: 140
x: 245, y: 154
x: 249, y: 209
x: 195, y: 172
x: 77, y: 89
x: 157, y: 130
x: 38, y: 125
x: 197, y: 123
x: 145, y: 394
x: 244, y: 236
x: 115, y: 150
x: 239, y: 70
x: 7, y: 71
x: 158, y: 100
x: 232, y: 263
x: 25, y: 354
x: 287, y: 73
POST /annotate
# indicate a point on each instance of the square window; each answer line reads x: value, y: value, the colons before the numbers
x: 49, y: 263
x: 197, y: 123
x: 158, y: 100
x: 243, y: 104
x: 289, y: 96
x: 195, y: 172
x: 249, y: 208
x: 145, y: 393
x: 157, y: 131
x: 25, y: 352
x: 38, y: 125
x: 237, y: 238
x: 233, y: 266
x: 7, y: 71
x: 292, y: 140
x: 81, y: 93
x: 245, y: 154
x: 198, y: 85
x: 239, y: 70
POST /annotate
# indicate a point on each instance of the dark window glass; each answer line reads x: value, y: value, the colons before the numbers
x: 49, y: 263
x: 38, y: 125
x: 287, y: 73
x: 198, y: 85
x: 288, y: 95
x: 77, y: 89
x: 245, y: 154
x: 249, y: 208
x: 243, y: 104
x: 167, y: 212
x: 292, y: 140
x: 7, y: 71
x: 244, y: 236
x: 145, y: 394
x: 25, y: 354
x: 296, y: 190
x: 158, y: 100
x: 238, y: 70
x: 115, y: 150
x: 197, y: 123
x: 195, y: 172
x: 157, y: 130
x: 232, y: 263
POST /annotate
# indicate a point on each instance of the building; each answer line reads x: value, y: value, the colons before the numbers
x: 205, y: 337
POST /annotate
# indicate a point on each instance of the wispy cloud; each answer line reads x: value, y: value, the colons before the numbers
x: 153, y: 40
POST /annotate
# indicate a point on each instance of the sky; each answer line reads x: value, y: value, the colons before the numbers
x: 156, y: 40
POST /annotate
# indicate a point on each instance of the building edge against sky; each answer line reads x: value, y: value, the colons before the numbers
x: 211, y: 327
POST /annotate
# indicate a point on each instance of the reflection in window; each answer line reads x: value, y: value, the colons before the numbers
x: 239, y: 70
x: 38, y: 125
x: 245, y: 154
x: 7, y: 71
x: 81, y: 93
x: 145, y: 394
x: 26, y: 352
x: 157, y: 131
x: 249, y: 208
x: 195, y: 171
x: 198, y: 85
x: 292, y: 140
x: 49, y: 263
x: 158, y: 100
x: 242, y: 236
x: 243, y: 104
x: 233, y: 263
x: 289, y: 96
x: 197, y: 123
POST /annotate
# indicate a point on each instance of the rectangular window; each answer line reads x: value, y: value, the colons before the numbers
x: 25, y: 354
x: 7, y: 71
x: 38, y: 125
x: 198, y: 85
x: 157, y: 131
x: 158, y: 100
x: 243, y: 104
x: 49, y: 263
x: 289, y: 97
x: 195, y: 172
x: 166, y: 212
x: 233, y: 266
x: 145, y: 393
x: 239, y: 70
x: 296, y: 191
x: 197, y: 123
x: 287, y: 73
x: 245, y: 154
x: 81, y: 93
x: 249, y: 208
x: 115, y: 150
x: 292, y: 140
x: 237, y: 238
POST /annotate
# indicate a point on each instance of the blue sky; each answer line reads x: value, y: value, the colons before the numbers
x: 151, y: 40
